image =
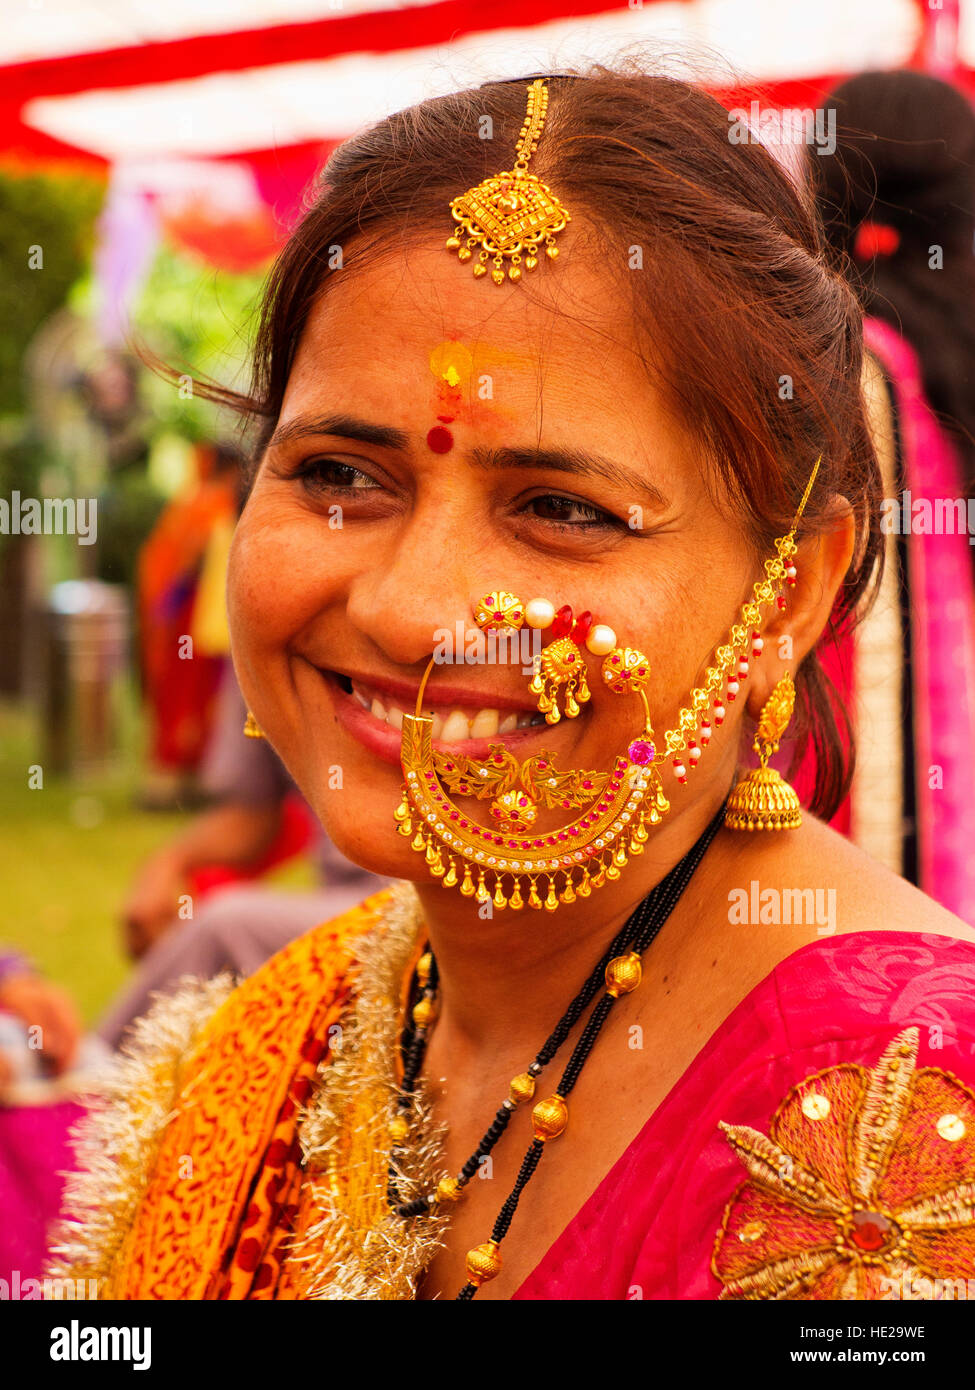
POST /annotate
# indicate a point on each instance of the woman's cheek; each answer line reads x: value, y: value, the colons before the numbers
x: 254, y: 605
x: 282, y: 566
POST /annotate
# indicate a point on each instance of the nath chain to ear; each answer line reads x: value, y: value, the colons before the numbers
x: 509, y: 863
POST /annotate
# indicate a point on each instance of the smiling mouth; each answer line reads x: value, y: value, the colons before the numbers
x: 451, y: 723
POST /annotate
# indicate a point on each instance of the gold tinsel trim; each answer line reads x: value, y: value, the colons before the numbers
x: 354, y: 1247
x: 115, y: 1142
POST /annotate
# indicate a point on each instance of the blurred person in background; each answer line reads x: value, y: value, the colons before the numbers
x: 898, y: 200
x: 257, y: 820
x: 181, y: 669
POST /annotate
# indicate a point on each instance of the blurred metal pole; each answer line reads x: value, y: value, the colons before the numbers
x: 85, y: 642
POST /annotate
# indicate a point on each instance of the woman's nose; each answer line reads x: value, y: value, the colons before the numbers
x: 419, y: 591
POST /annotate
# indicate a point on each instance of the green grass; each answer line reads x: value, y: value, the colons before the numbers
x: 68, y: 853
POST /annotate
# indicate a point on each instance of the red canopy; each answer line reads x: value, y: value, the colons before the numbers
x: 182, y: 84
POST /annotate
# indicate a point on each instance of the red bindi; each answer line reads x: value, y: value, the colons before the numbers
x: 440, y: 440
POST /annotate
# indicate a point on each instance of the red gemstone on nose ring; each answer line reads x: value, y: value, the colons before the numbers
x: 562, y: 623
x: 581, y: 629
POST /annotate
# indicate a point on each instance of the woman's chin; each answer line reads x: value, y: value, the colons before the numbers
x: 368, y: 840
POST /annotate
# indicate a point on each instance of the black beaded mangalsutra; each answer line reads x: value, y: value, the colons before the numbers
x: 620, y: 971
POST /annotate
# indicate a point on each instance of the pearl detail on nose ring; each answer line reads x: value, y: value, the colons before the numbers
x: 540, y: 613
x: 601, y: 640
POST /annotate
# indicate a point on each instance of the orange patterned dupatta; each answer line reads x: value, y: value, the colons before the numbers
x: 242, y: 1151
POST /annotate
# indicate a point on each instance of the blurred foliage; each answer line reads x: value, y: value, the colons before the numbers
x: 127, y: 511
x: 22, y: 458
x: 55, y: 212
x: 199, y: 321
x: 91, y: 417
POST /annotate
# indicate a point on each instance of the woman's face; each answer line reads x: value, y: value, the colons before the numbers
x: 441, y: 438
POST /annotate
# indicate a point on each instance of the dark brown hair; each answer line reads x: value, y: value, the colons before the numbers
x: 754, y: 335
x: 905, y: 157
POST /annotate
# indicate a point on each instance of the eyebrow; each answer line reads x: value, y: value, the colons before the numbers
x: 346, y: 426
x: 575, y: 462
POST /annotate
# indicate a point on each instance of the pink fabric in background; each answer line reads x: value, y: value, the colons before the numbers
x: 942, y: 614
x: 648, y: 1230
x: 34, y: 1153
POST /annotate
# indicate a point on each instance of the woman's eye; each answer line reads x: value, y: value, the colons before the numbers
x: 569, y: 511
x: 334, y: 475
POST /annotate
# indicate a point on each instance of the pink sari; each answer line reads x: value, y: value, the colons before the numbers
x: 680, y: 1216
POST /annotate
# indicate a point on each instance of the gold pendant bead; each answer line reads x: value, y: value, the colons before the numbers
x: 399, y: 1130
x: 483, y: 1262
x: 521, y: 1088
x: 449, y: 1190
x: 550, y: 1117
x: 424, y: 1012
x: 423, y: 967
x: 623, y: 974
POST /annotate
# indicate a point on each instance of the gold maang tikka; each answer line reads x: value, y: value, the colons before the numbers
x: 510, y: 215
x: 512, y: 863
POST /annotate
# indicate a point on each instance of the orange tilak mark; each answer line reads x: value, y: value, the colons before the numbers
x: 451, y: 364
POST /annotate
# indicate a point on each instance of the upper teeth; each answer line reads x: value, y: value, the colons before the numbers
x: 457, y: 725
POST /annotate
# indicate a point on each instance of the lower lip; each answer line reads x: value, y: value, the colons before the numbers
x: 385, y: 743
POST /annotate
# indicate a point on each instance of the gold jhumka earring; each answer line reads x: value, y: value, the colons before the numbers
x: 763, y: 800
x: 512, y: 863
x: 251, y: 727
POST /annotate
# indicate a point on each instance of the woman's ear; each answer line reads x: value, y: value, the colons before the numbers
x: 821, y: 563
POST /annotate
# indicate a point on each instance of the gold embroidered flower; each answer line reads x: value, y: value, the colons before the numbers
x: 867, y: 1178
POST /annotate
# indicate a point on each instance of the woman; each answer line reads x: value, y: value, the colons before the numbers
x: 898, y: 198
x: 595, y: 454
x: 182, y: 691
